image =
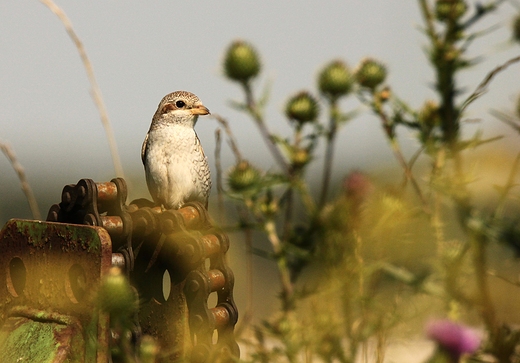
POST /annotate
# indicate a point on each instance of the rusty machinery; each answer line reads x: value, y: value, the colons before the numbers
x: 175, y: 259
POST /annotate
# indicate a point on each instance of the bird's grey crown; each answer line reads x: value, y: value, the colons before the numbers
x: 186, y: 96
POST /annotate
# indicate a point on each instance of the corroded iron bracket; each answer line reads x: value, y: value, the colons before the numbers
x: 174, y: 258
x: 47, y: 309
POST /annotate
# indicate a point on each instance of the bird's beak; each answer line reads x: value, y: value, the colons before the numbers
x: 199, y: 110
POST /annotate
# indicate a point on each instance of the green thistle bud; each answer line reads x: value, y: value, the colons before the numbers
x: 300, y: 157
x: 429, y: 114
x: 446, y: 10
x: 116, y: 296
x: 516, y: 29
x: 302, y: 108
x: 335, y: 80
x: 243, y: 177
x: 370, y: 73
x: 241, y: 62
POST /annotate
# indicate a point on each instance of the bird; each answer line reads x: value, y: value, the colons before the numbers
x: 175, y: 165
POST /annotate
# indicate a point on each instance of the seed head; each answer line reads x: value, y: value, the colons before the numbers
x: 241, y: 62
x: 450, y: 10
x: 370, y: 73
x: 335, y: 80
x: 302, y: 108
x: 300, y: 157
x: 429, y: 114
x: 243, y: 177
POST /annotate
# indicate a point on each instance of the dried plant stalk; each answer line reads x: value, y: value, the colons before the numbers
x: 96, y: 93
x: 9, y: 153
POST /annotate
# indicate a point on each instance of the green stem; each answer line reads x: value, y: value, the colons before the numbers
x: 266, y: 135
x: 293, y: 174
x: 396, y: 149
x: 428, y: 18
x: 480, y: 265
x: 281, y: 261
x: 329, y: 153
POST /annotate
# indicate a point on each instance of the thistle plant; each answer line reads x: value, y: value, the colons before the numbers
x: 373, y: 248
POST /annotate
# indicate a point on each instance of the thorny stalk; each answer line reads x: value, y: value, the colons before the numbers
x: 269, y: 227
x: 506, y: 189
x: 305, y: 194
x: 396, y: 149
x: 254, y: 111
x: 232, y: 140
x: 437, y: 223
x: 329, y: 153
x: 482, y: 87
x: 428, y: 18
x: 96, y: 92
x: 218, y: 166
x: 26, y: 187
x: 446, y: 66
x: 289, y: 215
x: 481, y: 11
x: 248, y: 237
x: 281, y: 260
x: 480, y: 263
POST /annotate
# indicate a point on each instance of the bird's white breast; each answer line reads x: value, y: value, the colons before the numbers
x: 173, y: 158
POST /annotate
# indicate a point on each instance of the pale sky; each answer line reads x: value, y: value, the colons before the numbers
x: 141, y: 51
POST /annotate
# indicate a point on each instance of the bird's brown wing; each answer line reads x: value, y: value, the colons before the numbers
x: 143, y: 149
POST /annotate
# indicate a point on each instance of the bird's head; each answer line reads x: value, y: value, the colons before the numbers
x: 179, y: 107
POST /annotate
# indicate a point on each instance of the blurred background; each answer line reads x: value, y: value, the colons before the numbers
x: 140, y: 51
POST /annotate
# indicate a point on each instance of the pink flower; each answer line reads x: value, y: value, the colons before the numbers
x: 357, y: 185
x: 455, y: 338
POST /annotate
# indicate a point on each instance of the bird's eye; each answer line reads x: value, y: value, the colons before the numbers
x: 180, y: 104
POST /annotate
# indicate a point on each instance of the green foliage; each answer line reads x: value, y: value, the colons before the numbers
x: 375, y: 250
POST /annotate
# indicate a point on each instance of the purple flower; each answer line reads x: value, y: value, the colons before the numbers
x: 455, y: 338
x: 357, y: 185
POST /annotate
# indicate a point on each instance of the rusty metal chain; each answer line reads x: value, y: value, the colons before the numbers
x: 182, y: 242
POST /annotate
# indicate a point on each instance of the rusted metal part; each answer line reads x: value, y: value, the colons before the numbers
x: 113, y: 224
x: 86, y: 202
x: 220, y: 316
x: 216, y: 280
x: 179, y: 260
x: 107, y: 192
x: 98, y: 204
x: 26, y: 339
x: 51, y: 272
x: 180, y: 242
x: 211, y: 243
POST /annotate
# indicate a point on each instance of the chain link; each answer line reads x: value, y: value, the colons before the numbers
x: 183, y: 242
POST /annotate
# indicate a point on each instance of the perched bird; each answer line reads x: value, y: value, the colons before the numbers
x: 176, y: 168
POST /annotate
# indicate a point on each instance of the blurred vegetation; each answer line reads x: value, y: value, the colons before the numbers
x: 374, y: 260
x: 377, y: 253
